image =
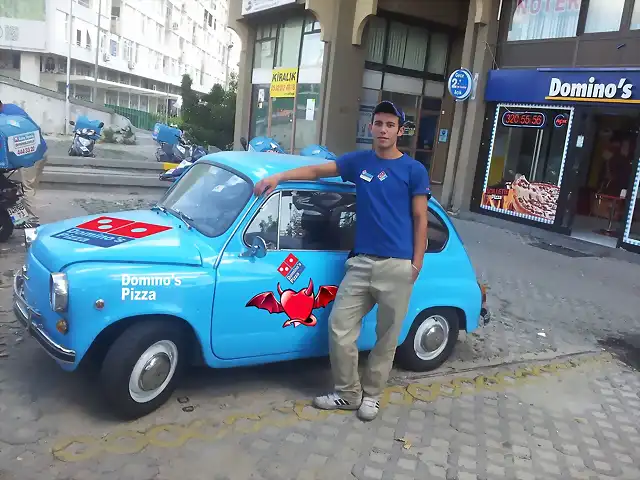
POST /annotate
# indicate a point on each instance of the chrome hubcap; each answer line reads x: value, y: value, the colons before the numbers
x: 431, y: 337
x: 153, y: 371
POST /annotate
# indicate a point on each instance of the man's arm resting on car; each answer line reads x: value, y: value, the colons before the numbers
x: 419, y: 207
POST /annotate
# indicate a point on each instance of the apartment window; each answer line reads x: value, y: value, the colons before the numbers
x: 88, y: 40
x: 84, y: 3
x: 438, y: 54
x: 604, y: 16
x: 537, y: 19
x: 128, y: 50
x: 79, y: 37
x: 62, y: 19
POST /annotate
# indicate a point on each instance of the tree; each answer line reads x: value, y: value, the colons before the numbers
x: 210, y: 119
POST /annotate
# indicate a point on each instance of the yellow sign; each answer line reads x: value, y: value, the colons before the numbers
x: 283, y: 83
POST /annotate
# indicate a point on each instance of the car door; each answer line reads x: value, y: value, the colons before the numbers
x: 279, y: 304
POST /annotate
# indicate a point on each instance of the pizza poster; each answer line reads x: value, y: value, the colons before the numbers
x: 536, y: 201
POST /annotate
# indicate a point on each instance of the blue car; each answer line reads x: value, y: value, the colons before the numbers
x: 213, y: 275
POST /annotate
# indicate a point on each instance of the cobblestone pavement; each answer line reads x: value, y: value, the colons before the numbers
x: 500, y: 420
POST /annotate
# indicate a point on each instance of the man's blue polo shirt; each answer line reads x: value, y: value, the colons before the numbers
x: 384, y: 194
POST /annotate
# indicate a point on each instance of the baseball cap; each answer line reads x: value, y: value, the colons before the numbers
x: 389, y: 107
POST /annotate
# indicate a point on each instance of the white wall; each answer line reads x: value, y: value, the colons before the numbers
x: 48, y: 109
x: 30, y: 68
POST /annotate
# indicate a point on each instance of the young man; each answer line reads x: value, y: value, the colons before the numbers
x: 30, y: 177
x: 392, y: 190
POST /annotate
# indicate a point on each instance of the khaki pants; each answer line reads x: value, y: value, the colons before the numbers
x: 30, y: 178
x: 368, y: 280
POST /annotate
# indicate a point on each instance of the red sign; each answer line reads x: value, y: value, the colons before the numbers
x: 120, y: 226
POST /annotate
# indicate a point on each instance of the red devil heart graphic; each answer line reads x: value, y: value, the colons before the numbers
x: 298, y: 306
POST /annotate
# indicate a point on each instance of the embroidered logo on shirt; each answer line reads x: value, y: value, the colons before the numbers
x: 382, y: 176
x: 366, y: 176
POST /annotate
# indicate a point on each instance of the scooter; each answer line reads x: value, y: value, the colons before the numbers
x: 85, y: 135
x: 172, y: 174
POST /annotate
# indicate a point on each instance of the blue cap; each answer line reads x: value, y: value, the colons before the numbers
x: 389, y: 107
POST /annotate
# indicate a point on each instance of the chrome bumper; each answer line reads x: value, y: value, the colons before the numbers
x: 29, y: 318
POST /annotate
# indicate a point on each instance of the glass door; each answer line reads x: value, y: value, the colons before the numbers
x: 526, y: 159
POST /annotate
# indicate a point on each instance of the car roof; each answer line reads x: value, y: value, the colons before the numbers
x: 258, y: 165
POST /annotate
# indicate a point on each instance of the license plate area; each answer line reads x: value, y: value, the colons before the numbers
x: 17, y: 213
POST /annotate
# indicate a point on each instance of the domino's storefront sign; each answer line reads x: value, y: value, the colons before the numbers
x: 461, y: 84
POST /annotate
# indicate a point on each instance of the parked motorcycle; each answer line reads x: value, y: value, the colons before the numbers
x: 173, y: 147
x: 21, y: 147
x: 85, y: 134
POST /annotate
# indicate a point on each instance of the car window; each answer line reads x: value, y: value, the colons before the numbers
x: 306, y: 220
x: 438, y: 233
x: 265, y: 223
x: 209, y: 197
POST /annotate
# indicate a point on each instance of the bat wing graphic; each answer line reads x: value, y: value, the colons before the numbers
x: 326, y: 295
x: 266, y: 301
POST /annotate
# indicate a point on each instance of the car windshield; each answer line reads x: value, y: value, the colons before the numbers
x: 208, y: 198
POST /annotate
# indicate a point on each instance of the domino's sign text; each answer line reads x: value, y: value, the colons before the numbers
x: 139, y: 287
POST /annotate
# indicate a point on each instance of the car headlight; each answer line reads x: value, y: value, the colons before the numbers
x: 58, y: 292
x: 30, y: 235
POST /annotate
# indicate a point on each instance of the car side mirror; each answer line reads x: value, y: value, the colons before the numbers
x: 243, y: 142
x: 258, y: 248
x: 71, y: 122
x: 101, y: 124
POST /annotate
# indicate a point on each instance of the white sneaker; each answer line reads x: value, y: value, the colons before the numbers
x: 369, y: 409
x: 334, y: 401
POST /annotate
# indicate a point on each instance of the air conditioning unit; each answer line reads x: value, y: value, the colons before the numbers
x: 132, y: 65
x: 175, y: 26
x: 154, y: 87
x: 106, y: 57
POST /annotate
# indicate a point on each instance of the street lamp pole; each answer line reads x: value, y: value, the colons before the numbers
x: 67, y: 105
x: 98, y: 37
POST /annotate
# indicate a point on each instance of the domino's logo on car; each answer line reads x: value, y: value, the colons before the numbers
x: 107, y: 232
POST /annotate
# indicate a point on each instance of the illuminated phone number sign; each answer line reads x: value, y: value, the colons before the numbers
x: 524, y: 119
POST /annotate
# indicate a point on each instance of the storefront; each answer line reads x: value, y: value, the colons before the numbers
x: 560, y: 151
x: 286, y: 78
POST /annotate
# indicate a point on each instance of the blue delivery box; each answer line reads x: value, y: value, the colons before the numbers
x: 21, y: 143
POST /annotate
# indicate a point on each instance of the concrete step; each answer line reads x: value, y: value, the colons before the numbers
x: 62, y: 175
x: 107, y: 163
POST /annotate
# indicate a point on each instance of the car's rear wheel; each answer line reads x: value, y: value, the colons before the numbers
x: 430, y: 341
x: 142, y: 366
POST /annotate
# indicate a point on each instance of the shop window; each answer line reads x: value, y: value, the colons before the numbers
x: 289, y: 38
x: 265, y: 47
x: 409, y: 105
x: 635, y: 16
x: 375, y: 38
x: 312, y: 47
x: 438, y: 54
x: 282, y: 110
x: 259, y: 111
x: 526, y: 160
x: 540, y: 19
x: 604, y: 16
x: 307, y: 115
x: 397, y: 44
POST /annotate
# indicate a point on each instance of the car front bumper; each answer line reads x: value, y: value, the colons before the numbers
x: 30, y: 319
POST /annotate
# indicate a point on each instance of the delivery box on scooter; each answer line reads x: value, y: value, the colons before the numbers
x: 167, y: 134
x: 95, y: 125
x: 21, y: 143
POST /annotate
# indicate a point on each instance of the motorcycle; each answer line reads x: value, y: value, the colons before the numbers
x: 85, y: 134
x: 173, y: 147
x: 21, y: 146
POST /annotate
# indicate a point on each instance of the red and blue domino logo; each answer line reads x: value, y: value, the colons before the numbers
x: 106, y: 232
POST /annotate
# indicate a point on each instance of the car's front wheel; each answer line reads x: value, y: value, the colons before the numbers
x: 142, y: 366
x: 430, y: 341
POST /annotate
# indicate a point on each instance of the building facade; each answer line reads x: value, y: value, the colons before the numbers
x: 312, y: 71
x: 561, y: 135
x: 142, y: 48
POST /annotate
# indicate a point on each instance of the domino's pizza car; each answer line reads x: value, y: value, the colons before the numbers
x: 213, y: 275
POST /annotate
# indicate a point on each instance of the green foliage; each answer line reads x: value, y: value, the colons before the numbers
x: 108, y: 135
x: 209, y: 119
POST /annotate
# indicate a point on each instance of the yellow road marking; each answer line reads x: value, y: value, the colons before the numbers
x: 172, y: 435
